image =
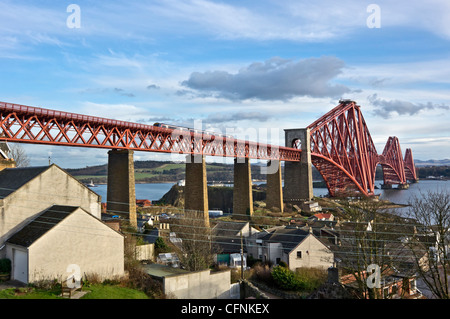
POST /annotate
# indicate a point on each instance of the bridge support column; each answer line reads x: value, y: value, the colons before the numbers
x: 196, y: 189
x: 242, y: 190
x: 298, y: 184
x: 274, y: 193
x: 121, y: 194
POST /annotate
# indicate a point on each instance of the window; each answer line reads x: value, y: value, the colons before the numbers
x: 299, y: 254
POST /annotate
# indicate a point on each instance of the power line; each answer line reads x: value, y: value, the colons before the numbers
x: 203, y: 227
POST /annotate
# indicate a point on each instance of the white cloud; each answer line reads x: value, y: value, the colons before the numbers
x: 399, y: 74
x: 123, y: 112
x: 140, y: 23
x: 385, y: 108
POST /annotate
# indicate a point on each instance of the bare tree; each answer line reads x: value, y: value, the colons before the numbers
x: 431, y: 212
x: 364, y: 239
x: 197, y: 251
x: 18, y: 153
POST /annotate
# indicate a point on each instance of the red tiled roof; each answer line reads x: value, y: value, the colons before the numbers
x: 143, y: 202
x: 323, y: 215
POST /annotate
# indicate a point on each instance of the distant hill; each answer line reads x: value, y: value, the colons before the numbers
x: 164, y: 171
x: 159, y: 171
x: 443, y: 162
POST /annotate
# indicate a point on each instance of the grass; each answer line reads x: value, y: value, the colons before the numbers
x: 97, y: 291
x: 29, y: 293
x: 139, y: 176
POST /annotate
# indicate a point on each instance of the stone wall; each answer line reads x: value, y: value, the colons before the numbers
x: 198, y: 285
x: 145, y: 252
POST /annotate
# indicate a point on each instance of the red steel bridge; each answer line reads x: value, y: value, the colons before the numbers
x: 342, y: 149
x: 343, y: 152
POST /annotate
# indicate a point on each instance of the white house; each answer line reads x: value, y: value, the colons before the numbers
x: 61, y: 240
x: 296, y: 247
x: 49, y: 222
x: 26, y: 192
x: 226, y: 238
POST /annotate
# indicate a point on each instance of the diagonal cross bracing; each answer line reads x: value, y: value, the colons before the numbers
x: 27, y: 124
x: 342, y: 150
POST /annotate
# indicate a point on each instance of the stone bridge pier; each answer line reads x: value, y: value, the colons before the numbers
x: 274, y: 192
x: 121, y: 194
x: 298, y: 186
x: 242, y: 190
x: 196, y: 189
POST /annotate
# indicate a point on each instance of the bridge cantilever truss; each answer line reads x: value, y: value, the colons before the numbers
x: 392, y: 162
x: 410, y: 168
x: 343, y: 152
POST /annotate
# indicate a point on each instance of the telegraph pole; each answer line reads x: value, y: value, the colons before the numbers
x: 242, y: 258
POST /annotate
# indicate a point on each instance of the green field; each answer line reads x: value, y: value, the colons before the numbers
x: 151, y: 171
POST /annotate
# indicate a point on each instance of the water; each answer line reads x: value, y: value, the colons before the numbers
x: 155, y: 191
x: 151, y: 191
x: 402, y: 196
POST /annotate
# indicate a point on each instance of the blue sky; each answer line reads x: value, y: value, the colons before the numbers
x: 252, y: 68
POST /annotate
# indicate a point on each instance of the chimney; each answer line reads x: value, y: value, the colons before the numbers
x: 334, y: 275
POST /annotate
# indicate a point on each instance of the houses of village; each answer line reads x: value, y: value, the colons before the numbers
x: 49, y: 222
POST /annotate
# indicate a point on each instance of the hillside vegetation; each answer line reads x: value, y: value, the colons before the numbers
x: 163, y: 171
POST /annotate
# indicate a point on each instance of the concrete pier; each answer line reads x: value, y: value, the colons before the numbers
x: 196, y: 189
x: 242, y: 191
x: 390, y: 186
x: 121, y: 194
x: 274, y: 193
x: 298, y: 185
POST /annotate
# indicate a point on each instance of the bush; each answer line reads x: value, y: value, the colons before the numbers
x: 5, y: 265
x: 311, y: 277
x: 251, y: 261
x: 262, y: 273
x: 286, y: 279
x: 160, y: 245
x: 139, y: 279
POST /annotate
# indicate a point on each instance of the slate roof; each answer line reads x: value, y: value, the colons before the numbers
x: 226, y: 236
x: 288, y: 237
x: 228, y: 229
x: 152, y: 236
x: 11, y: 179
x: 40, y: 225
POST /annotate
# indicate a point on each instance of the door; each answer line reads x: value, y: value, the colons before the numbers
x: 20, y: 265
